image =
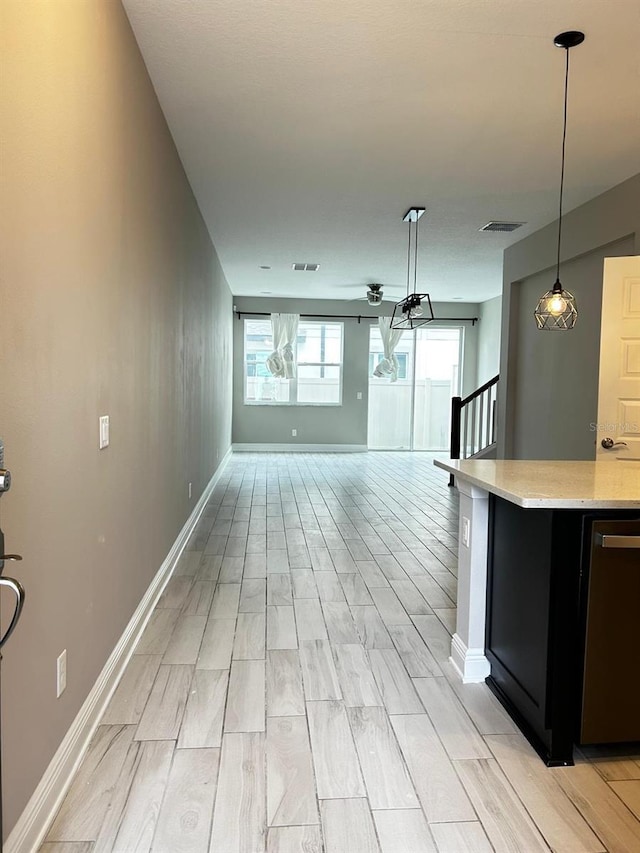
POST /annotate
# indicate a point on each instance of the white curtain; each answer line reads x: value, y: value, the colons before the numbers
x: 281, y: 362
x: 388, y: 366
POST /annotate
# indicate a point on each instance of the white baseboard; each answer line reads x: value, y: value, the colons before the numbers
x: 299, y: 448
x: 29, y: 831
x: 471, y: 664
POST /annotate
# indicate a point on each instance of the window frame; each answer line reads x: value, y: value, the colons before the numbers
x: 293, y: 383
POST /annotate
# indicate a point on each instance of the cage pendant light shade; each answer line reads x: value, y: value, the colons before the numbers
x: 556, y: 309
x: 415, y: 309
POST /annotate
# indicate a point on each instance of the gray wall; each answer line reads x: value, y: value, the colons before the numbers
x: 112, y: 302
x: 346, y: 424
x: 489, y: 340
x: 549, y: 380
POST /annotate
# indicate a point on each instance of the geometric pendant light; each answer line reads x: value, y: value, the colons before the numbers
x: 556, y: 309
x: 415, y: 309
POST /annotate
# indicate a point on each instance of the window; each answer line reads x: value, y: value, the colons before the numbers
x: 318, y: 355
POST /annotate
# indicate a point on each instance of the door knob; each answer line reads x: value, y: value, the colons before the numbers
x: 608, y: 443
x: 13, y: 558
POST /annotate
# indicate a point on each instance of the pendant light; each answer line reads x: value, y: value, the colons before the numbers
x: 557, y: 310
x: 415, y: 309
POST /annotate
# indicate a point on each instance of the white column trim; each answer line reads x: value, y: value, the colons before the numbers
x: 467, y: 644
x: 471, y: 664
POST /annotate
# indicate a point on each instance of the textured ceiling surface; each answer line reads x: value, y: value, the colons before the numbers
x: 308, y: 127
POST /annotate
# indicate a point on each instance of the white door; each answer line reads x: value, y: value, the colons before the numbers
x: 618, y: 427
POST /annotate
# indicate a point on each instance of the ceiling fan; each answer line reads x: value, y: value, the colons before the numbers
x: 374, y: 294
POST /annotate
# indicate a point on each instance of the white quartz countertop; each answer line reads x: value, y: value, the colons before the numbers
x: 553, y: 484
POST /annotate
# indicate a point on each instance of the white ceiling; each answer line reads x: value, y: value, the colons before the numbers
x: 308, y: 127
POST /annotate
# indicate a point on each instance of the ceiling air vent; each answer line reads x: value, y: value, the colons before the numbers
x: 501, y: 226
x: 305, y: 267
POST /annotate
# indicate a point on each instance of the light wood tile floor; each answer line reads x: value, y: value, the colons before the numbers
x: 292, y: 691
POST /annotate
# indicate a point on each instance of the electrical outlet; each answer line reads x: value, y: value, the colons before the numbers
x: 104, y: 432
x: 466, y: 531
x: 190, y: 485
x: 61, y: 673
x: 359, y: 395
x: 294, y: 432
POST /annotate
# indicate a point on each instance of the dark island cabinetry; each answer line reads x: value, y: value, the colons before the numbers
x: 538, y: 614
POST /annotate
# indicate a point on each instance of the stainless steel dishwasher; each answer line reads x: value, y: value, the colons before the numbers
x: 611, y: 686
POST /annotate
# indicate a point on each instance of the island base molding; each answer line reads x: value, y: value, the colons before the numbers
x: 471, y: 664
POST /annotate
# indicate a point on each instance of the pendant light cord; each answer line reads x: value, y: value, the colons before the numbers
x: 409, y: 260
x: 415, y: 257
x: 564, y: 140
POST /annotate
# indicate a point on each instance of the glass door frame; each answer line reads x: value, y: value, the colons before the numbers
x: 414, y: 345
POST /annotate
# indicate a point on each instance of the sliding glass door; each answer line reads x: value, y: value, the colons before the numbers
x: 414, y: 412
x: 390, y: 403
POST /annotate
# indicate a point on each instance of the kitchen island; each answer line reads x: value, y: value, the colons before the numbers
x: 528, y: 581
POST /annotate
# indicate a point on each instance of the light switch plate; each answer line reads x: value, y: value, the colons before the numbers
x: 61, y: 673
x: 104, y: 431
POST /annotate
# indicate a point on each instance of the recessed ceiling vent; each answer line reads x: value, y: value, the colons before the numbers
x: 305, y: 267
x: 501, y: 226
